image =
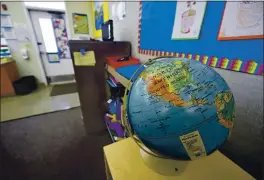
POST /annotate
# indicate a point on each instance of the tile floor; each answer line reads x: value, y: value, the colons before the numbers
x: 38, y: 102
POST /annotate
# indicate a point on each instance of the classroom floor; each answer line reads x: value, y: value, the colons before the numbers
x: 54, y: 146
x: 38, y: 102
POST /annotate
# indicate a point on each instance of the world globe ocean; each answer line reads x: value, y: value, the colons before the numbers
x: 180, y: 108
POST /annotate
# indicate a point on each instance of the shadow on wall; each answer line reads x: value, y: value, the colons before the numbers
x: 245, y: 146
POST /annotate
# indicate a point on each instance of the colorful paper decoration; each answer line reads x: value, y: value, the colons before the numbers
x: 249, y: 67
x: 189, y: 56
x: 100, y: 15
x: 260, y: 70
x: 61, y: 36
x: 213, y: 61
x: 196, y: 57
x: 182, y: 55
x: 222, y: 63
x: 204, y: 59
x: 235, y: 65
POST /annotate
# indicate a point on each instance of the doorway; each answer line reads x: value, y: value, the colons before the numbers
x: 52, y: 43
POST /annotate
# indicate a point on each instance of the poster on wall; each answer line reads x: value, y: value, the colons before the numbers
x: 188, y: 20
x: 100, y: 15
x: 80, y: 23
x: 61, y: 37
x: 242, y: 20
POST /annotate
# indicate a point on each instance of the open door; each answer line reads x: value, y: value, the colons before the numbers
x: 54, y: 64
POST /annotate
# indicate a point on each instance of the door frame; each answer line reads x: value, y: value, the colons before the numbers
x: 35, y: 44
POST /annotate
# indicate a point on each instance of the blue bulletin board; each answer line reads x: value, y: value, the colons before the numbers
x: 155, y: 29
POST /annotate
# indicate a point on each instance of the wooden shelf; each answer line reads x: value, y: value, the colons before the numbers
x: 124, y: 81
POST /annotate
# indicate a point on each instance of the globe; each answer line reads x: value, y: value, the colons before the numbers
x: 180, y: 108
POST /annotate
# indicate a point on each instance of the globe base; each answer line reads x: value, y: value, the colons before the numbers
x: 166, y: 167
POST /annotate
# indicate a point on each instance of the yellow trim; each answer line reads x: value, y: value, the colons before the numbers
x: 98, y: 33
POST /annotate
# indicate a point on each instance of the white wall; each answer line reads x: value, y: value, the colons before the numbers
x: 32, y: 66
x: 127, y: 29
x: 82, y: 8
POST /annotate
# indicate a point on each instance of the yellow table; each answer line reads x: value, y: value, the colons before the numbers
x: 123, y: 162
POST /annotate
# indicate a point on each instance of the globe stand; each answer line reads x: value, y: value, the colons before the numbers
x: 166, y: 167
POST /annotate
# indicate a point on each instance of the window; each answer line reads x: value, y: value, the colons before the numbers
x: 48, y: 35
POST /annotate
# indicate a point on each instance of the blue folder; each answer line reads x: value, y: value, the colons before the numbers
x: 128, y: 71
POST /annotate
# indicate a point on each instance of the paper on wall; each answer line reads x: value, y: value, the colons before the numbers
x: 8, y: 33
x: 22, y: 32
x: 6, y: 20
x: 188, y: 19
x: 119, y: 10
x: 242, y: 20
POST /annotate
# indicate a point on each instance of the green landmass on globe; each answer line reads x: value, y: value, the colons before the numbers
x: 224, y: 102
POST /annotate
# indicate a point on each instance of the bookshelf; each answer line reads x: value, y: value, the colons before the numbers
x: 124, y: 81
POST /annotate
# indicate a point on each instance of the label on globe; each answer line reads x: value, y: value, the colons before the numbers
x: 193, y: 145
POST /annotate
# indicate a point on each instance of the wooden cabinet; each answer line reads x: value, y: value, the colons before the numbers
x: 9, y: 74
x: 90, y: 80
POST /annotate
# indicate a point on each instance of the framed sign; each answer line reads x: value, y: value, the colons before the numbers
x: 242, y: 20
x: 53, y: 58
x: 80, y: 23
